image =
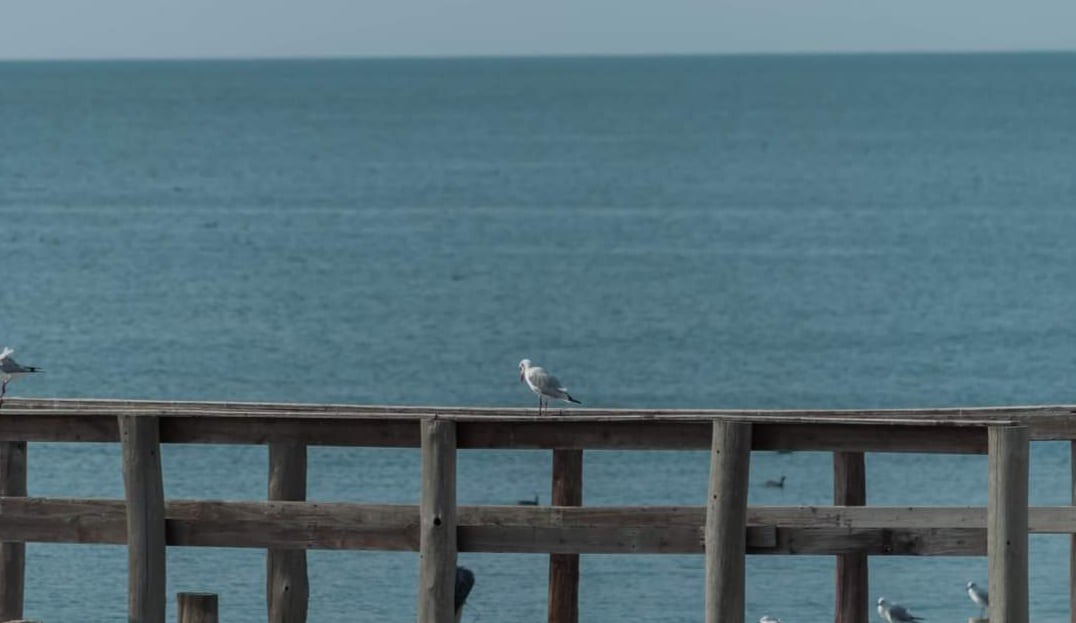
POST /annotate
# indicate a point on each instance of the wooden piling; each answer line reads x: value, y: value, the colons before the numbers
x: 197, y: 607
x: 287, y: 590
x: 144, y: 487
x: 850, y: 489
x: 1072, y: 537
x: 437, y: 523
x: 564, y: 568
x: 12, y: 555
x: 1007, y: 522
x: 726, y: 521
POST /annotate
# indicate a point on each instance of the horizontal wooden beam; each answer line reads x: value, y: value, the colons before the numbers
x: 542, y: 529
x: 311, y: 429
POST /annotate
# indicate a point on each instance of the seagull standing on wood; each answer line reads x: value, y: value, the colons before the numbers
x: 895, y: 613
x: 544, y: 384
x: 10, y: 369
x: 980, y: 597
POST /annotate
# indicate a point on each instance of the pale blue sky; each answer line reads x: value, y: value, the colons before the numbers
x: 32, y: 29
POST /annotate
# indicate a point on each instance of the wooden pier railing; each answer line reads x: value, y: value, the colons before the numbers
x: 724, y: 529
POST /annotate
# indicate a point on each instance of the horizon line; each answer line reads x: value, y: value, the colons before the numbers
x: 539, y: 56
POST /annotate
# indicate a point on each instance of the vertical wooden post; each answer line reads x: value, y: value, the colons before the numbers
x: 144, y: 488
x: 437, y: 519
x: 726, y: 522
x: 1006, y: 528
x: 12, y: 555
x: 564, y: 568
x: 287, y: 587
x: 850, y: 489
x: 1072, y: 538
x: 197, y: 607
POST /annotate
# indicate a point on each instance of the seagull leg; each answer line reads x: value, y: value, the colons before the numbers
x: 3, y: 390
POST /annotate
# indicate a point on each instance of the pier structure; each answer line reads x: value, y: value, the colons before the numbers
x: 723, y: 528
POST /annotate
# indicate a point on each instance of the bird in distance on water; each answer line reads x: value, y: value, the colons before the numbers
x: 980, y: 597
x: 895, y: 613
x: 776, y: 483
x: 544, y: 384
x: 10, y: 370
x: 768, y: 619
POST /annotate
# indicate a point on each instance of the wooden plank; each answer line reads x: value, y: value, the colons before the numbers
x: 287, y: 590
x: 197, y: 607
x: 1007, y: 524
x: 852, y: 586
x: 563, y: 600
x: 13, y: 463
x: 726, y: 522
x: 1072, y: 537
x: 144, y: 489
x: 437, y: 523
x: 643, y: 530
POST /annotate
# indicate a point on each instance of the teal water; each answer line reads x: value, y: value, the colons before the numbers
x: 817, y: 231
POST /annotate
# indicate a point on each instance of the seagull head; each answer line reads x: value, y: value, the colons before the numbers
x: 7, y: 351
x: 523, y: 365
x: 971, y: 585
x: 882, y: 602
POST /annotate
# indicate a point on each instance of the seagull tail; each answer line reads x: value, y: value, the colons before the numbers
x: 569, y: 398
x: 33, y: 369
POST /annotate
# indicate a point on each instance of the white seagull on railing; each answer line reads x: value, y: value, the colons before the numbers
x: 544, y: 384
x: 895, y: 613
x: 980, y: 597
x: 10, y: 369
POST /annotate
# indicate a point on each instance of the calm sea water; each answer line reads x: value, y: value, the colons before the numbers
x: 846, y: 231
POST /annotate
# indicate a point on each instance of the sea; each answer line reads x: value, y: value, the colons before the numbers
x: 803, y: 231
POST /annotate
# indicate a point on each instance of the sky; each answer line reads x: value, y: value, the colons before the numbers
x: 79, y: 29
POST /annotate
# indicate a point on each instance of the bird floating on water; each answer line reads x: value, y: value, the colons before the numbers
x: 544, y: 384
x: 895, y: 613
x: 10, y: 370
x: 776, y: 483
x: 768, y: 619
x: 531, y: 502
x: 980, y: 596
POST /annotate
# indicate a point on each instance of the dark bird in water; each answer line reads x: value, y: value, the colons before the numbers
x: 533, y: 502
x: 10, y: 370
x: 464, y: 584
x: 776, y: 483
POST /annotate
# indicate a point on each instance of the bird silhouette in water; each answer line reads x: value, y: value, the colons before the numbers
x: 777, y: 484
x: 10, y: 370
x: 531, y: 502
x: 544, y: 384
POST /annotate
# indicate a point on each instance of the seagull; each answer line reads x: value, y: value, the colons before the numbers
x: 980, y: 597
x: 895, y: 613
x: 10, y: 369
x: 776, y: 483
x: 768, y: 619
x: 544, y: 384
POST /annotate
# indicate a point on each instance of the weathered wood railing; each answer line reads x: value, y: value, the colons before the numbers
x: 724, y: 529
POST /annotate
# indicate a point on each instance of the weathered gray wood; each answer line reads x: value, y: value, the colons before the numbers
x: 145, y: 519
x: 1007, y: 523
x: 12, y: 555
x: 197, y: 607
x: 437, y: 524
x: 287, y: 590
x: 563, y: 600
x: 850, y: 489
x: 726, y: 521
x: 1072, y: 537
